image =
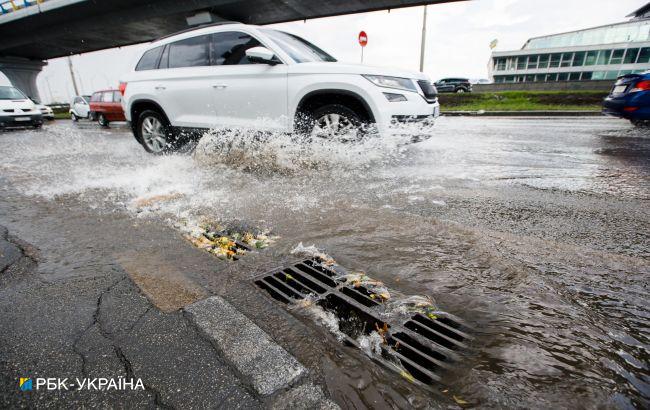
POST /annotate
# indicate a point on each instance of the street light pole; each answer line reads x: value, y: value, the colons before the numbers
x: 424, y: 38
x: 74, y: 82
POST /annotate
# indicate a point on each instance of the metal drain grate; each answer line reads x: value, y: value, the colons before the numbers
x: 424, y: 345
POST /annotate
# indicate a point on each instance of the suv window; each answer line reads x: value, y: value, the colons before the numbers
x: 117, y: 96
x: 164, y: 60
x: 229, y: 48
x: 149, y: 60
x: 96, y: 97
x: 107, y: 97
x: 191, y: 52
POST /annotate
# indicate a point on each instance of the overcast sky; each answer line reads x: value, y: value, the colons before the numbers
x: 458, y: 38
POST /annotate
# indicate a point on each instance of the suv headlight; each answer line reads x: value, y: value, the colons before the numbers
x: 391, y: 82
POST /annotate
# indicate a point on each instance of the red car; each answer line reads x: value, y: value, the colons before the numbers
x: 106, y: 106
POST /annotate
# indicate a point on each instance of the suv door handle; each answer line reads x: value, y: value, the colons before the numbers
x: 220, y: 86
x: 160, y: 87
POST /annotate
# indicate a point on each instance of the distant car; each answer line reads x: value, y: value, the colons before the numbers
x: 46, y: 111
x: 16, y: 110
x: 80, y: 107
x: 630, y: 98
x: 454, y: 85
x: 106, y: 106
x: 481, y: 81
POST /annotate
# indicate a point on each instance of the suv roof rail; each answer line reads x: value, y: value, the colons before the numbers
x: 218, y: 23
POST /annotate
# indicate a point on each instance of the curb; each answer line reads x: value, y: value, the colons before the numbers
x: 523, y: 113
x: 261, y: 362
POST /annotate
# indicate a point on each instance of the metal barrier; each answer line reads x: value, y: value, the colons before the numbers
x: 10, y: 6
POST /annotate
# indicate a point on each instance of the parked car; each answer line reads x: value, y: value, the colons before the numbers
x: 454, y: 85
x: 16, y: 110
x: 106, y: 106
x: 80, y: 107
x: 630, y: 98
x: 46, y: 111
x: 236, y: 75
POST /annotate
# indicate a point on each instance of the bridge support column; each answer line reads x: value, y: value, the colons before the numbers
x: 22, y: 73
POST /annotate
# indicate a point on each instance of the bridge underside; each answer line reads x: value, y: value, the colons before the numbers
x: 65, y: 27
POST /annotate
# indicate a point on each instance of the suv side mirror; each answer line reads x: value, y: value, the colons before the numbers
x: 261, y: 55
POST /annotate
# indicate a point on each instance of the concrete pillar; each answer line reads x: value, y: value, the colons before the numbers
x: 22, y: 73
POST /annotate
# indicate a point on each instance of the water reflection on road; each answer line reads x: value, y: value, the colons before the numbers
x: 534, y: 230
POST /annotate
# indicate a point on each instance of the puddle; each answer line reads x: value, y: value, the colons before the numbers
x: 534, y: 228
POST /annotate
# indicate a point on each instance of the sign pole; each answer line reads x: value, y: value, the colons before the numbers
x: 424, y: 39
x: 363, y: 41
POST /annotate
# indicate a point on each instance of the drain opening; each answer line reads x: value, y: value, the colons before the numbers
x: 353, y: 321
x: 423, y: 343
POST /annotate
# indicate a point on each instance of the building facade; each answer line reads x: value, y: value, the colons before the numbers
x: 599, y: 53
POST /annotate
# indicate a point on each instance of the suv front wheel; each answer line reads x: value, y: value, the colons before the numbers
x: 336, y: 122
x: 153, y: 132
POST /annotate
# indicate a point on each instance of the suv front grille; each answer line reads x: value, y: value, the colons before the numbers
x: 429, y: 90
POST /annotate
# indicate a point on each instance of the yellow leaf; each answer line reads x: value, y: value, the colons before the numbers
x: 407, y: 376
x: 459, y: 400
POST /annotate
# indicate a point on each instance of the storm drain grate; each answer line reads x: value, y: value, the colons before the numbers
x: 424, y: 344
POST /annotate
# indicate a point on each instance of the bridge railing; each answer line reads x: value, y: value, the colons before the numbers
x: 9, y: 6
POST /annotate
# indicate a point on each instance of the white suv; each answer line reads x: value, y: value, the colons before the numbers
x: 232, y: 75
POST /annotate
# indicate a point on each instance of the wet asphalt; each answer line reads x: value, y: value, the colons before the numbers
x: 533, y: 230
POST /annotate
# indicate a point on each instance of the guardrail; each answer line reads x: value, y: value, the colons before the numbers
x: 9, y: 6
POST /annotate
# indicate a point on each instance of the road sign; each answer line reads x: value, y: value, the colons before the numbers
x: 363, y: 38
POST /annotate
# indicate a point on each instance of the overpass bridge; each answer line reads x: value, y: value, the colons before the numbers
x: 33, y: 31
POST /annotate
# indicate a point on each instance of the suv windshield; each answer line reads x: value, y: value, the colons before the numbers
x: 11, y: 93
x: 300, y: 50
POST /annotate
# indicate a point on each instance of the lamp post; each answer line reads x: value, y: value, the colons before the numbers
x: 424, y: 38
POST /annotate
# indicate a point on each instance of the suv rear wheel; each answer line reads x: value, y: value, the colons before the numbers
x: 335, y: 122
x: 153, y: 132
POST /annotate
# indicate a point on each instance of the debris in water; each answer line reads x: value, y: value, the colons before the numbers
x: 459, y: 400
x: 408, y: 376
x: 149, y: 201
x: 413, y: 304
x: 374, y: 287
x: 313, y: 252
x: 227, y: 244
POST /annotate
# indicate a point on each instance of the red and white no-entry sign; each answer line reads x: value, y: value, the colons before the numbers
x: 363, y: 38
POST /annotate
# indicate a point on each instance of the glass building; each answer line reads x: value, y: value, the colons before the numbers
x: 599, y: 53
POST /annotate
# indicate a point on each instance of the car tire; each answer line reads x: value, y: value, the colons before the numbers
x: 345, y: 124
x: 37, y: 126
x: 101, y: 120
x: 460, y: 90
x: 154, y: 133
x: 74, y: 117
x: 640, y: 123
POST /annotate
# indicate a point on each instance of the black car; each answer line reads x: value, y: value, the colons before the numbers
x: 454, y: 85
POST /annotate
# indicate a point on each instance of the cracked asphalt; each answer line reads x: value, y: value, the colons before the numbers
x: 99, y: 325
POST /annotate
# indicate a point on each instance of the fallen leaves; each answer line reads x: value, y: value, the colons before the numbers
x: 227, y: 245
x: 460, y: 401
x: 408, y: 376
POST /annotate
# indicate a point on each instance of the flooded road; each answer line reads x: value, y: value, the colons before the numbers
x: 534, y: 231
